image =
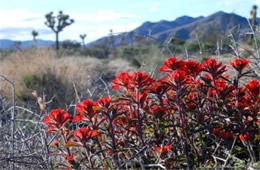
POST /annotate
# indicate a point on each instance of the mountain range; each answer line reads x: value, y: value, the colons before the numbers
x: 185, y: 28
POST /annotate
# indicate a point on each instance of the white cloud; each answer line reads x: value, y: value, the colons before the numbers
x: 101, y: 16
x: 226, y: 3
x: 17, y: 24
x: 256, y: 2
x: 20, y: 17
x: 154, y: 7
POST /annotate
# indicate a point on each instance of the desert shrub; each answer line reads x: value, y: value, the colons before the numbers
x: 41, y: 70
x: 98, y: 52
x: 70, y: 44
x: 196, y: 116
x: 193, y: 47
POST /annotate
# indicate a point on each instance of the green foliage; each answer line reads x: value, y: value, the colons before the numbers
x: 192, y: 47
x: 133, y: 54
x: 70, y: 44
x: 98, y: 52
x: 46, y: 83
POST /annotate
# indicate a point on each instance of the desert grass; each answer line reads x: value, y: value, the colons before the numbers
x: 74, y: 69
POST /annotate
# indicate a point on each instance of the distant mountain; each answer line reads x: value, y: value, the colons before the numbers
x: 8, y: 44
x: 219, y: 22
x: 185, y: 28
x: 163, y: 25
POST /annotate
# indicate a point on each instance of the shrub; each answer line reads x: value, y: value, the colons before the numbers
x: 196, y: 116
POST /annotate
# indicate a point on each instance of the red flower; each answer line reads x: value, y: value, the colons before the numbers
x: 178, y: 77
x: 165, y: 149
x: 84, y: 134
x: 172, y: 64
x: 239, y: 64
x: 121, y: 81
x: 86, y: 109
x: 141, y: 80
x: 71, y: 159
x: 126, y: 81
x: 214, y: 68
x: 159, y: 88
x: 221, y: 133
x: 56, y: 119
x: 77, y: 118
x: 253, y: 87
x: 244, y: 137
x: 104, y: 102
x: 193, y: 68
x: 55, y: 143
x: 221, y: 85
x: 228, y: 135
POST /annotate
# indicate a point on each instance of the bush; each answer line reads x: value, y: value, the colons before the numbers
x: 188, y: 119
x: 98, y: 52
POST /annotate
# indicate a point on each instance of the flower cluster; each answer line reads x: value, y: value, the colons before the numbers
x: 183, y: 120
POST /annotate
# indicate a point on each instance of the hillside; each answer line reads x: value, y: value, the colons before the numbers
x: 184, y: 28
x: 4, y: 43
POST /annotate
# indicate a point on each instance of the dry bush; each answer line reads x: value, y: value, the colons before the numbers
x: 41, y: 70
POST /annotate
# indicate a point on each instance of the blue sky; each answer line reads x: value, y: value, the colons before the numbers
x: 96, y: 17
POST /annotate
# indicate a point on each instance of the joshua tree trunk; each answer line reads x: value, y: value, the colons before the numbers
x: 57, y: 41
x: 34, y: 42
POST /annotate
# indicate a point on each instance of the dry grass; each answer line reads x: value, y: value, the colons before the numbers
x: 68, y: 69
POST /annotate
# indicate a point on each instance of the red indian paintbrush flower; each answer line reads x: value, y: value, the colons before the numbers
x: 211, y: 66
x: 172, y: 64
x: 193, y: 68
x: 223, y: 134
x: 253, y: 87
x: 121, y: 81
x: 141, y: 80
x: 126, y: 81
x: 164, y: 149
x: 56, y: 119
x: 85, y: 133
x: 104, y: 102
x: 244, y: 137
x: 85, y: 109
x: 178, y: 77
x: 239, y: 64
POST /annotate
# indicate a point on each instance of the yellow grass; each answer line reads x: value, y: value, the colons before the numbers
x: 74, y: 69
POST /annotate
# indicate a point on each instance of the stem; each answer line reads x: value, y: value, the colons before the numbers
x: 140, y: 132
x: 13, y: 123
x: 114, y: 150
x: 88, y: 155
x: 102, y: 153
x: 65, y: 141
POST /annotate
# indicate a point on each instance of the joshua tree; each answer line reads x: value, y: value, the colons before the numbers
x: 253, y: 15
x: 111, y: 37
x: 57, y: 24
x: 83, y: 36
x: 34, y: 34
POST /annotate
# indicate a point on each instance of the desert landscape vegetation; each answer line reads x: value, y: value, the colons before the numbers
x: 180, y: 94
